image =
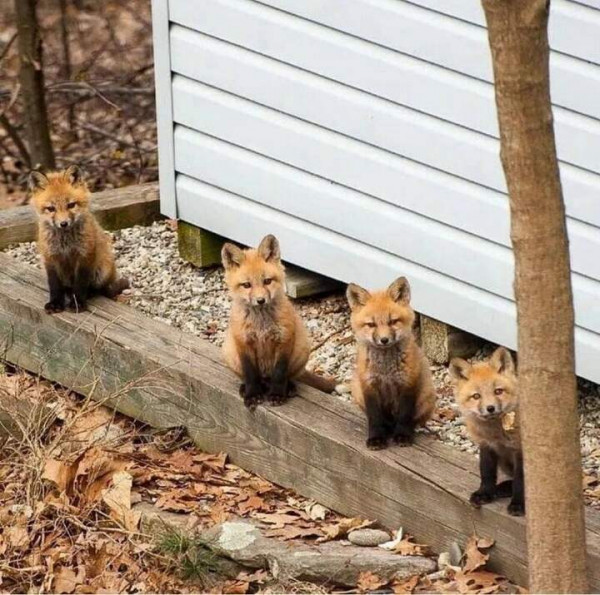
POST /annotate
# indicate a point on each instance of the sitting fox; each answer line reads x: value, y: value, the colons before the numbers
x: 392, y: 382
x: 266, y: 344
x: 486, y: 393
x: 76, y: 252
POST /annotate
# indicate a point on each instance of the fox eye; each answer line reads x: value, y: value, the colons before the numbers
x: 499, y: 391
x: 50, y: 209
x: 395, y: 321
x: 246, y: 285
x: 71, y: 205
x: 476, y: 396
x: 370, y: 324
x: 268, y: 281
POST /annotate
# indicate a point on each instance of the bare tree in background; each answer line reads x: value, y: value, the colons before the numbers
x: 518, y: 36
x: 31, y: 78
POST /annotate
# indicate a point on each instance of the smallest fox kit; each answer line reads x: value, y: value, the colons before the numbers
x: 266, y: 342
x: 486, y: 393
x: 392, y: 382
x: 76, y: 252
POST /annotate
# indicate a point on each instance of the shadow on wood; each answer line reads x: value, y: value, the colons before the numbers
x: 314, y: 444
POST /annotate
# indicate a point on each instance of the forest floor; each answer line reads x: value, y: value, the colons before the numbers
x: 102, y: 116
x: 68, y: 520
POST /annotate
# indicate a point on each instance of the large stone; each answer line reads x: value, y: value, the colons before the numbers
x: 368, y: 537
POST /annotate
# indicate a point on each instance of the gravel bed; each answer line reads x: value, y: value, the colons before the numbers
x: 173, y: 291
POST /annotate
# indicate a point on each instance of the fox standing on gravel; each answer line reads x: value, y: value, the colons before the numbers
x: 486, y: 393
x: 392, y: 382
x: 77, y: 253
x: 266, y: 342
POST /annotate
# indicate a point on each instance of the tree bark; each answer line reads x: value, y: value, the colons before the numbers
x: 31, y: 77
x: 518, y: 36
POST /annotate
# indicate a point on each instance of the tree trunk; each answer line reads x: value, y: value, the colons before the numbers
x: 31, y: 77
x: 518, y: 36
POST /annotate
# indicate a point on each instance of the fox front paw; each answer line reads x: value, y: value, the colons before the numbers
x: 251, y: 395
x: 76, y: 305
x: 376, y: 443
x: 54, y: 307
x: 516, y: 509
x: 276, y: 398
x: 481, y: 496
x: 404, y: 437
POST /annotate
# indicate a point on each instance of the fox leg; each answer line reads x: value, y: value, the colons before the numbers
x: 251, y: 390
x: 81, y: 288
x: 279, y: 385
x: 404, y: 429
x: 516, y: 506
x: 378, y: 431
x: 488, y: 469
x: 57, y: 291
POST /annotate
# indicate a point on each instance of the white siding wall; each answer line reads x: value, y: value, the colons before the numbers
x: 364, y: 135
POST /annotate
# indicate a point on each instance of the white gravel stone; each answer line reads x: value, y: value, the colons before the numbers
x: 168, y: 289
x: 368, y: 537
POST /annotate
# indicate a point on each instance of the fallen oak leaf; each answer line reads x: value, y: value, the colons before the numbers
x: 407, y: 547
x: 474, y: 557
x: 340, y: 529
x: 294, y: 532
x: 479, y: 581
x: 369, y: 581
x: 407, y: 586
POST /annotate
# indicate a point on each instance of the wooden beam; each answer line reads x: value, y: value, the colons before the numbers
x: 199, y: 246
x: 313, y: 444
x: 301, y: 283
x: 115, y: 209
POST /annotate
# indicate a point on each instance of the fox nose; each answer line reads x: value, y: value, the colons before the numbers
x: 384, y: 340
x: 260, y: 301
x: 491, y: 408
x: 64, y: 223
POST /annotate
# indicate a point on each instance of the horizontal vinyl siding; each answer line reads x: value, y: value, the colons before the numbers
x: 418, y: 85
x: 364, y: 135
x: 316, y: 248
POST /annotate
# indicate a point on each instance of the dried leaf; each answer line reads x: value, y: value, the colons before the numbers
x: 66, y: 580
x: 118, y: 499
x: 253, y: 503
x: 317, y: 512
x: 368, y: 581
x: 480, y: 581
x: 340, y: 529
x: 474, y: 557
x: 407, y: 586
x: 236, y: 587
x: 407, y: 547
x: 509, y: 421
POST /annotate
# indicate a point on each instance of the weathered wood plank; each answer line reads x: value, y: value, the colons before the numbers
x: 301, y: 283
x: 314, y: 444
x: 115, y: 209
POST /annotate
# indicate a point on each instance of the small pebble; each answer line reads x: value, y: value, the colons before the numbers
x: 368, y: 537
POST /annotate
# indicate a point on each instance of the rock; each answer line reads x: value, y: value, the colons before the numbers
x: 330, y: 562
x: 368, y: 537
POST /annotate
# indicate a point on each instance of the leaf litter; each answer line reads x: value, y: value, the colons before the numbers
x: 68, y: 521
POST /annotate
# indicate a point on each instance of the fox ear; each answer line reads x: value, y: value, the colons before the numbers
x: 74, y: 174
x: 502, y: 360
x: 356, y: 296
x: 269, y: 248
x: 36, y: 181
x: 399, y: 290
x: 459, y: 369
x: 231, y: 256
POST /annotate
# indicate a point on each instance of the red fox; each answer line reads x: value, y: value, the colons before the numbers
x: 266, y: 344
x: 486, y: 393
x: 392, y: 382
x: 77, y: 254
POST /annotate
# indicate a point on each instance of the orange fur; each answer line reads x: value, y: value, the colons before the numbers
x: 263, y: 326
x: 492, y: 383
x: 390, y: 367
x: 70, y: 240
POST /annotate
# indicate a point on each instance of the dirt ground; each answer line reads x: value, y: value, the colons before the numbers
x: 103, y: 116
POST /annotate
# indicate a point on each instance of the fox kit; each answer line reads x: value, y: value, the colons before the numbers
x: 266, y: 343
x: 486, y: 393
x: 76, y: 252
x: 392, y: 382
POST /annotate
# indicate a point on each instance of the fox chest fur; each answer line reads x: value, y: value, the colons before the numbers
x: 388, y: 373
x: 491, y: 433
x: 263, y: 335
x: 65, y: 249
